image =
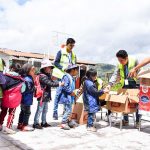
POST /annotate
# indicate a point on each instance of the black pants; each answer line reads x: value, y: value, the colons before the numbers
x: 24, y: 114
x: 102, y: 103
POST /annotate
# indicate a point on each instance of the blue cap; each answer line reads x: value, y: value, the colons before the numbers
x: 72, y: 66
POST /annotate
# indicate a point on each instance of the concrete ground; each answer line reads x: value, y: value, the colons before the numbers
x: 54, y: 138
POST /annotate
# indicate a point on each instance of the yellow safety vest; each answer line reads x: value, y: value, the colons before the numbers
x: 100, y: 83
x: 64, y: 61
x: 1, y: 65
x: 131, y: 65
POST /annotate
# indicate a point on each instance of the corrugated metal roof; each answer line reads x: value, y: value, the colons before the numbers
x: 23, y: 54
x: 34, y: 55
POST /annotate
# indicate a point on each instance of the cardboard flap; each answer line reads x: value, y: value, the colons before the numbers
x: 117, y: 98
x: 133, y: 99
x: 107, y: 97
x: 144, y: 74
x: 131, y: 92
x: 103, y: 97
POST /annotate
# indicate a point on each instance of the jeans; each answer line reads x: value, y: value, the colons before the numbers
x: 24, y: 114
x: 67, y: 113
x: 41, y: 108
x: 10, y: 116
x: 56, y: 100
x: 90, y: 121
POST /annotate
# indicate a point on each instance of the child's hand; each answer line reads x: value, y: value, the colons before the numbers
x: 61, y: 83
x: 73, y: 94
x: 108, y: 87
x: 106, y: 90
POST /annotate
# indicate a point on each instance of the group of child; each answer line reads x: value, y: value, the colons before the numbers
x: 20, y: 85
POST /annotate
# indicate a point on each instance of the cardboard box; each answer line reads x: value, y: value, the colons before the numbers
x: 144, y: 96
x: 125, y: 100
x: 78, y: 112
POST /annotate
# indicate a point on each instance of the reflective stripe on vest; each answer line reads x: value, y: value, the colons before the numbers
x: 64, y: 62
x: 131, y: 65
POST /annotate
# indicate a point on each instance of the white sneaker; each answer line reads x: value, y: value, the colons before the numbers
x: 27, y: 128
x: 92, y: 129
x: 9, y: 131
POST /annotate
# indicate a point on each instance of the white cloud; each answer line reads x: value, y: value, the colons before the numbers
x: 100, y: 27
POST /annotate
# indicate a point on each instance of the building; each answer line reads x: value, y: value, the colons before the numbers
x: 11, y: 56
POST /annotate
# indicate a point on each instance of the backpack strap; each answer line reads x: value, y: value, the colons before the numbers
x: 70, y: 79
x: 15, y: 77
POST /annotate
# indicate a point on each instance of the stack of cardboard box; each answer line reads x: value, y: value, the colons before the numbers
x: 124, y: 100
x: 144, y: 103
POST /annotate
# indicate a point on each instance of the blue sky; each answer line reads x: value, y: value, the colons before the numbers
x: 100, y: 27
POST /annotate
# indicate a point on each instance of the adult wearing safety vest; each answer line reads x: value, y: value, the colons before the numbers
x: 121, y: 72
x: 63, y: 59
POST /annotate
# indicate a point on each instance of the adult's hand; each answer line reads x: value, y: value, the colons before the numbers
x: 132, y: 73
x: 108, y: 87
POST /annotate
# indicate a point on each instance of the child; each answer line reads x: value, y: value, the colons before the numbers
x: 46, y: 83
x: 67, y: 94
x: 90, y: 98
x: 11, y: 96
x: 28, y: 72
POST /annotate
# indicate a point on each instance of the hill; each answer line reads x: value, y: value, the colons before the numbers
x: 104, y: 70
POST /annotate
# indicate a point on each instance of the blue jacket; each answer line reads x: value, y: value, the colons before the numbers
x: 66, y: 90
x: 27, y: 96
x: 91, y: 96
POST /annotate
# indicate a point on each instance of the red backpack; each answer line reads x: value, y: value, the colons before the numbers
x: 39, y: 90
x: 12, y: 96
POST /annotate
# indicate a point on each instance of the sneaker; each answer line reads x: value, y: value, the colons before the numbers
x: 19, y: 126
x: 45, y: 125
x: 92, y: 129
x: 27, y: 128
x: 72, y: 124
x: 1, y: 127
x: 37, y: 126
x: 9, y: 131
x: 65, y: 127
x: 124, y: 123
x: 55, y: 116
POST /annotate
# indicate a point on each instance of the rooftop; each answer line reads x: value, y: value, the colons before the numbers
x: 34, y: 55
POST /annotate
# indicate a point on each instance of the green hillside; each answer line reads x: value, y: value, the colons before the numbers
x: 104, y: 70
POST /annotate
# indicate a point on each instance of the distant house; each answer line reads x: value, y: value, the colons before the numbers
x: 23, y: 57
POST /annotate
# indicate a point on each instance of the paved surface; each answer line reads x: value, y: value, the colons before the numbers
x: 54, y: 138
